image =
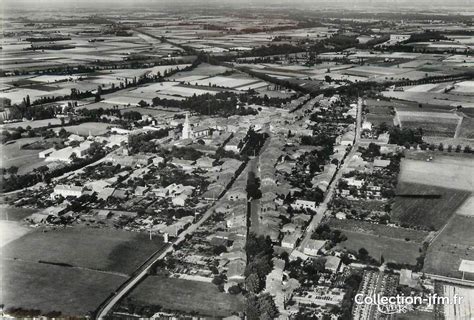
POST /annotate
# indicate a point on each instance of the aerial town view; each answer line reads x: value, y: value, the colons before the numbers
x: 243, y: 159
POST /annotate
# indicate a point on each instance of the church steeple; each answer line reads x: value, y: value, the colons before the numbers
x: 187, y: 132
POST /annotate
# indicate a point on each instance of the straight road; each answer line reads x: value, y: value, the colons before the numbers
x: 323, y: 206
x: 142, y: 271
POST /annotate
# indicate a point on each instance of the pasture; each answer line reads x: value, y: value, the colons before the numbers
x: 441, y: 124
x: 86, y: 128
x: 194, y: 296
x: 444, y: 171
x: 25, y: 160
x: 10, y: 231
x: 454, y: 243
x: 429, y: 212
x: 10, y: 213
x: 394, y: 244
x: 98, y: 249
x: 47, y: 288
x: 33, y: 124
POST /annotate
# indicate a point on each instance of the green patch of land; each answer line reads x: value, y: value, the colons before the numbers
x: 454, y: 243
x: 186, y: 296
x: 430, y: 212
x: 47, y: 288
x: 98, y: 249
x: 396, y: 245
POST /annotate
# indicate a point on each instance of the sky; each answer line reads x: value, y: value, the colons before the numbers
x: 297, y: 4
x: 420, y: 2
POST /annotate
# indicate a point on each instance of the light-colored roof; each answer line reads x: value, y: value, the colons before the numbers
x: 467, y: 266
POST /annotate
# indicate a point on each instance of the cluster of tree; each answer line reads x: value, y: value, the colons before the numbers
x: 49, y: 46
x: 372, y: 151
x: 426, y: 36
x: 130, y: 306
x: 324, y: 232
x: 373, y: 42
x: 405, y: 135
x: 222, y: 103
x: 20, y: 313
x: 47, y: 39
x: 351, y: 284
x: 43, y: 174
x: 253, y: 186
x: 143, y: 142
x: 260, y: 307
x: 95, y: 115
x: 272, y: 49
x: 25, y: 110
x: 185, y: 153
x: 253, y: 142
x: 259, y: 256
x: 309, y: 270
x: 317, y: 140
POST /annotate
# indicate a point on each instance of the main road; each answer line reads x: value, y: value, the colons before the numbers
x: 323, y: 206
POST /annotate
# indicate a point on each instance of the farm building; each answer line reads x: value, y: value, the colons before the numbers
x: 45, y: 153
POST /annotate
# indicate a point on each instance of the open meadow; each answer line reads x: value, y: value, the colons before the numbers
x: 425, y: 207
x: 98, y: 249
x: 194, y: 296
x: 396, y: 245
x: 440, y: 124
x: 429, y: 192
x: 13, y: 154
x: 441, y: 171
x: 47, y: 288
x: 86, y: 128
x: 454, y: 243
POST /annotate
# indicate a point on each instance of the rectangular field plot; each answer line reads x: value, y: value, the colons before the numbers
x: 194, y: 296
x: 98, y: 249
x: 454, y: 243
x: 463, y: 310
x: 433, y: 123
x: 47, y: 288
x: 425, y: 207
x: 83, y: 129
x: 442, y: 171
x: 394, y: 244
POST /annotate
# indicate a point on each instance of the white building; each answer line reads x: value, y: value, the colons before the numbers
x: 187, y: 132
x: 304, y: 204
x: 312, y: 247
x: 45, y: 153
x: 67, y: 191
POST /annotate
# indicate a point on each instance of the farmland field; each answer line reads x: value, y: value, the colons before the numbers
x: 467, y: 208
x: 50, y: 288
x: 33, y: 124
x: 10, y: 231
x: 433, y: 123
x: 426, y: 213
x: 14, y: 213
x: 442, y: 171
x: 381, y: 241
x: 379, y: 230
x: 98, y: 249
x: 157, y: 290
x: 26, y: 160
x: 467, y: 128
x: 83, y: 129
x: 465, y: 309
x: 454, y: 243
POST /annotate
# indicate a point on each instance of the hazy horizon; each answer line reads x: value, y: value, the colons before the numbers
x: 331, y: 3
